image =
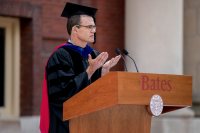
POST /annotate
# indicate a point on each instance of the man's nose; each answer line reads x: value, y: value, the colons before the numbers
x: 93, y: 30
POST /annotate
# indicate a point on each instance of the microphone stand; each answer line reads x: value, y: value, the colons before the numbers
x: 118, y: 52
x: 127, y: 54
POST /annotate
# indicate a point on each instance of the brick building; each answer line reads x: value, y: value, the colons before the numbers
x: 37, y: 28
x: 163, y: 36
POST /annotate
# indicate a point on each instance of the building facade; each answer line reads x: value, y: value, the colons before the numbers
x: 31, y: 30
x: 163, y: 37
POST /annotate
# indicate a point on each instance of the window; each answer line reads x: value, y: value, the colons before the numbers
x: 9, y: 67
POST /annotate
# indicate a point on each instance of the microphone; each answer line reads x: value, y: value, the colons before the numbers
x: 127, y: 54
x: 118, y: 52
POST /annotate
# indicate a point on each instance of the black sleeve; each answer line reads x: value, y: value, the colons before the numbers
x: 61, y: 79
x: 97, y: 73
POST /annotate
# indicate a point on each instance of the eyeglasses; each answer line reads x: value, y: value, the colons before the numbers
x: 90, y: 27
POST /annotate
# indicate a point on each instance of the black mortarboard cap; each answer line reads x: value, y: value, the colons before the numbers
x: 72, y: 9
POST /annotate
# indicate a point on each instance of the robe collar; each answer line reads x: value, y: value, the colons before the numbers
x: 84, y: 52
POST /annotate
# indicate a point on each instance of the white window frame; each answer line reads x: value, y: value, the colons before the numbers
x: 11, y: 109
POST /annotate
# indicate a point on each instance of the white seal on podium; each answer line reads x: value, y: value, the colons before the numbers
x: 156, y: 105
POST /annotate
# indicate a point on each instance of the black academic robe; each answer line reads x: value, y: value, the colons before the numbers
x: 66, y: 76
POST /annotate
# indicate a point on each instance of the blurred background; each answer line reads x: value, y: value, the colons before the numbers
x: 163, y: 36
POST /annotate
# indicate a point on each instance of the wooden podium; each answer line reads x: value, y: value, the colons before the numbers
x: 118, y: 102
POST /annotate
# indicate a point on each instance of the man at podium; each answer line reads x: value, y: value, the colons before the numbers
x: 72, y: 67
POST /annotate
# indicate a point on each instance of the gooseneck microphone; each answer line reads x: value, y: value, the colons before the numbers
x: 118, y: 52
x: 127, y: 54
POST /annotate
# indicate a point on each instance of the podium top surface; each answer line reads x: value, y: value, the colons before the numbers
x: 130, y: 88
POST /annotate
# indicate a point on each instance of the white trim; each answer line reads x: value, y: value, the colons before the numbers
x: 12, y: 68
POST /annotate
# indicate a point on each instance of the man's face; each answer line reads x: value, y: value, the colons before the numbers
x: 86, y: 29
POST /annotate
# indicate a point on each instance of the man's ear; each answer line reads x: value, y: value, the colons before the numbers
x: 74, y: 29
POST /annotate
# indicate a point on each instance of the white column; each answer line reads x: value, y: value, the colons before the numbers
x: 154, y: 35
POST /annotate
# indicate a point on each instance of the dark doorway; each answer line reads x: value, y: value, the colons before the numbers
x: 2, y: 63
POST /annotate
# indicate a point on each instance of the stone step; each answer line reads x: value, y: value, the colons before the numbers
x: 175, y: 125
x: 10, y: 127
x: 166, y: 124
